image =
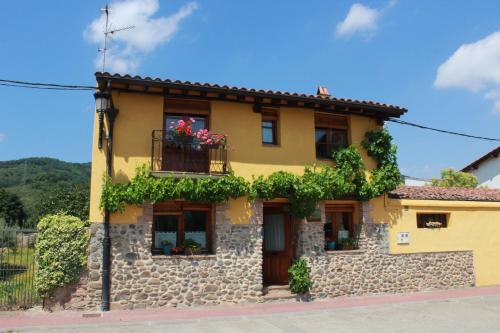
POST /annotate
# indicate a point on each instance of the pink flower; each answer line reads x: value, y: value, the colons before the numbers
x: 192, y: 120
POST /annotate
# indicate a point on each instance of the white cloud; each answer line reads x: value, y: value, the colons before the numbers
x: 129, y: 46
x: 2, y: 137
x: 474, y: 67
x: 359, y: 20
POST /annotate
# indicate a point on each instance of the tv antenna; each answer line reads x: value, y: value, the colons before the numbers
x: 108, y: 31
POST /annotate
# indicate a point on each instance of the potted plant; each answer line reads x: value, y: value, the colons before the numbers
x: 433, y: 224
x: 330, y: 245
x: 191, y: 246
x: 182, y: 130
x: 167, y: 246
x: 211, y: 140
x: 348, y: 244
x: 177, y: 250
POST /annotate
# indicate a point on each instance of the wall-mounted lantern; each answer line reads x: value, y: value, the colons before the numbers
x: 102, y: 104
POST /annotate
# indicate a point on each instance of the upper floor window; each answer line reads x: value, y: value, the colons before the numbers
x: 330, y: 134
x: 432, y: 220
x: 269, y: 124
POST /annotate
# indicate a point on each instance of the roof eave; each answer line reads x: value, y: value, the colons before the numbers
x: 385, y: 111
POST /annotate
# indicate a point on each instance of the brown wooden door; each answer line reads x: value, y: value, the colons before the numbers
x: 277, y: 247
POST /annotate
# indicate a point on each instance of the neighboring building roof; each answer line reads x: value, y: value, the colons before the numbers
x: 321, y: 100
x: 445, y: 193
x: 474, y: 165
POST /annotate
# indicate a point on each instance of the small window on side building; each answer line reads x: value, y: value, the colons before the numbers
x: 432, y: 220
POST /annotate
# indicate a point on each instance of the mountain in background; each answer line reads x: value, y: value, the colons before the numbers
x: 32, y: 179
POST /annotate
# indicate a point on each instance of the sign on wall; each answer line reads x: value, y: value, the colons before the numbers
x: 403, y: 238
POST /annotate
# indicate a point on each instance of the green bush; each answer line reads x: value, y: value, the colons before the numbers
x: 60, y: 251
x: 452, y: 178
x: 300, y: 279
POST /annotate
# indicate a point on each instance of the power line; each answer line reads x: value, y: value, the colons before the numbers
x: 402, y: 122
x: 44, y: 88
x: 55, y: 86
x: 39, y: 85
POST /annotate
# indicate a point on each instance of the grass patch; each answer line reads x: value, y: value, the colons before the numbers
x: 17, y: 272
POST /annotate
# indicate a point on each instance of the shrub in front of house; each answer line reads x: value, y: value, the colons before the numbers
x: 300, y: 279
x: 60, y: 251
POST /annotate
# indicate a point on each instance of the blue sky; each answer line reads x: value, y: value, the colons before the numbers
x: 388, y: 51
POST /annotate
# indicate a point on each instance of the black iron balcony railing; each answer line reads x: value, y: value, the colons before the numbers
x: 180, y: 154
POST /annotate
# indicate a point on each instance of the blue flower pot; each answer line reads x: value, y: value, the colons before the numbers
x: 330, y: 245
x: 167, y: 249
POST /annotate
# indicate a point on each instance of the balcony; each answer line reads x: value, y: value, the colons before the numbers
x: 174, y: 155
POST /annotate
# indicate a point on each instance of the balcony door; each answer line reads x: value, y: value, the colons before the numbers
x: 277, y: 247
x: 184, y: 156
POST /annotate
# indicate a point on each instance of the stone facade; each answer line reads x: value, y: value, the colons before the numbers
x: 373, y: 270
x: 233, y: 274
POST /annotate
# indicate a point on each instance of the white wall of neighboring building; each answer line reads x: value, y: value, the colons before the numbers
x: 412, y: 181
x: 488, y: 173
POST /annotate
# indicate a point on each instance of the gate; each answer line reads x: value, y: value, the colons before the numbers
x: 17, y: 268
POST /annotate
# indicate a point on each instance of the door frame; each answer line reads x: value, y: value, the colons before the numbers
x: 287, y: 256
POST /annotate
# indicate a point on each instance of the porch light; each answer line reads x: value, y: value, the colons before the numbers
x: 102, y: 105
x: 102, y: 101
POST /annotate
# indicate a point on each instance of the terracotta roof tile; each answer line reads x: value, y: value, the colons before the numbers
x: 445, y: 193
x: 397, y: 110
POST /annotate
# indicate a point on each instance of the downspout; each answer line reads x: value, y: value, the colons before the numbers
x: 110, y: 114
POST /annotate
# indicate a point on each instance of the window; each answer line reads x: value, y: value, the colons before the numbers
x: 177, y: 222
x: 269, y: 125
x: 432, y: 220
x: 339, y: 226
x: 330, y: 134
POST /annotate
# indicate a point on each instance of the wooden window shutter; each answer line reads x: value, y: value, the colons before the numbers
x: 325, y: 120
x: 182, y: 106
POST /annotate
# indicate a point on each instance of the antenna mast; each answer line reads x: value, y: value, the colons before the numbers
x: 107, y: 32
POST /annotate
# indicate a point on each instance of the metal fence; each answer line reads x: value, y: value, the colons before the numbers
x: 17, y: 268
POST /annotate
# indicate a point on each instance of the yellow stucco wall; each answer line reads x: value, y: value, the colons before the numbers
x: 139, y: 114
x: 471, y: 226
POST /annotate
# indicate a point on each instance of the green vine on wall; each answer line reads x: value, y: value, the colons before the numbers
x: 347, y: 179
x: 145, y: 188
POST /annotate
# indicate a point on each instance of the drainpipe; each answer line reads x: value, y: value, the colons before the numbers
x: 110, y: 113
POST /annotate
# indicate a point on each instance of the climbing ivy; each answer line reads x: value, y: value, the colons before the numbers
x: 347, y: 179
x: 144, y: 188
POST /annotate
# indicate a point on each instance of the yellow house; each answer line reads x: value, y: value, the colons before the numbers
x: 236, y: 249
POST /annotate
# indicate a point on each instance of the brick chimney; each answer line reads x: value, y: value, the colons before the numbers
x: 322, y: 92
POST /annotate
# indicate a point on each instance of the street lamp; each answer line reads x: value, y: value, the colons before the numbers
x: 102, y: 101
x: 102, y: 104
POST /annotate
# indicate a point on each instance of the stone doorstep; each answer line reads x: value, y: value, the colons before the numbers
x: 277, y: 293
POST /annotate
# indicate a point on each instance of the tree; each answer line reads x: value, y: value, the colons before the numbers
x: 452, y: 178
x: 11, y: 208
x: 71, y: 200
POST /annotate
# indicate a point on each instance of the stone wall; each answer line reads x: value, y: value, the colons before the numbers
x: 233, y: 274
x: 373, y: 270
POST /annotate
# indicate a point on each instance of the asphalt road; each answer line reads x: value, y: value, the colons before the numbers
x: 473, y: 314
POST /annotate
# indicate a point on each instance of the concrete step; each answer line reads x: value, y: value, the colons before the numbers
x: 277, y: 293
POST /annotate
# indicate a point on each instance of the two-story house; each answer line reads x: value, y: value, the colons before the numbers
x: 242, y: 245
